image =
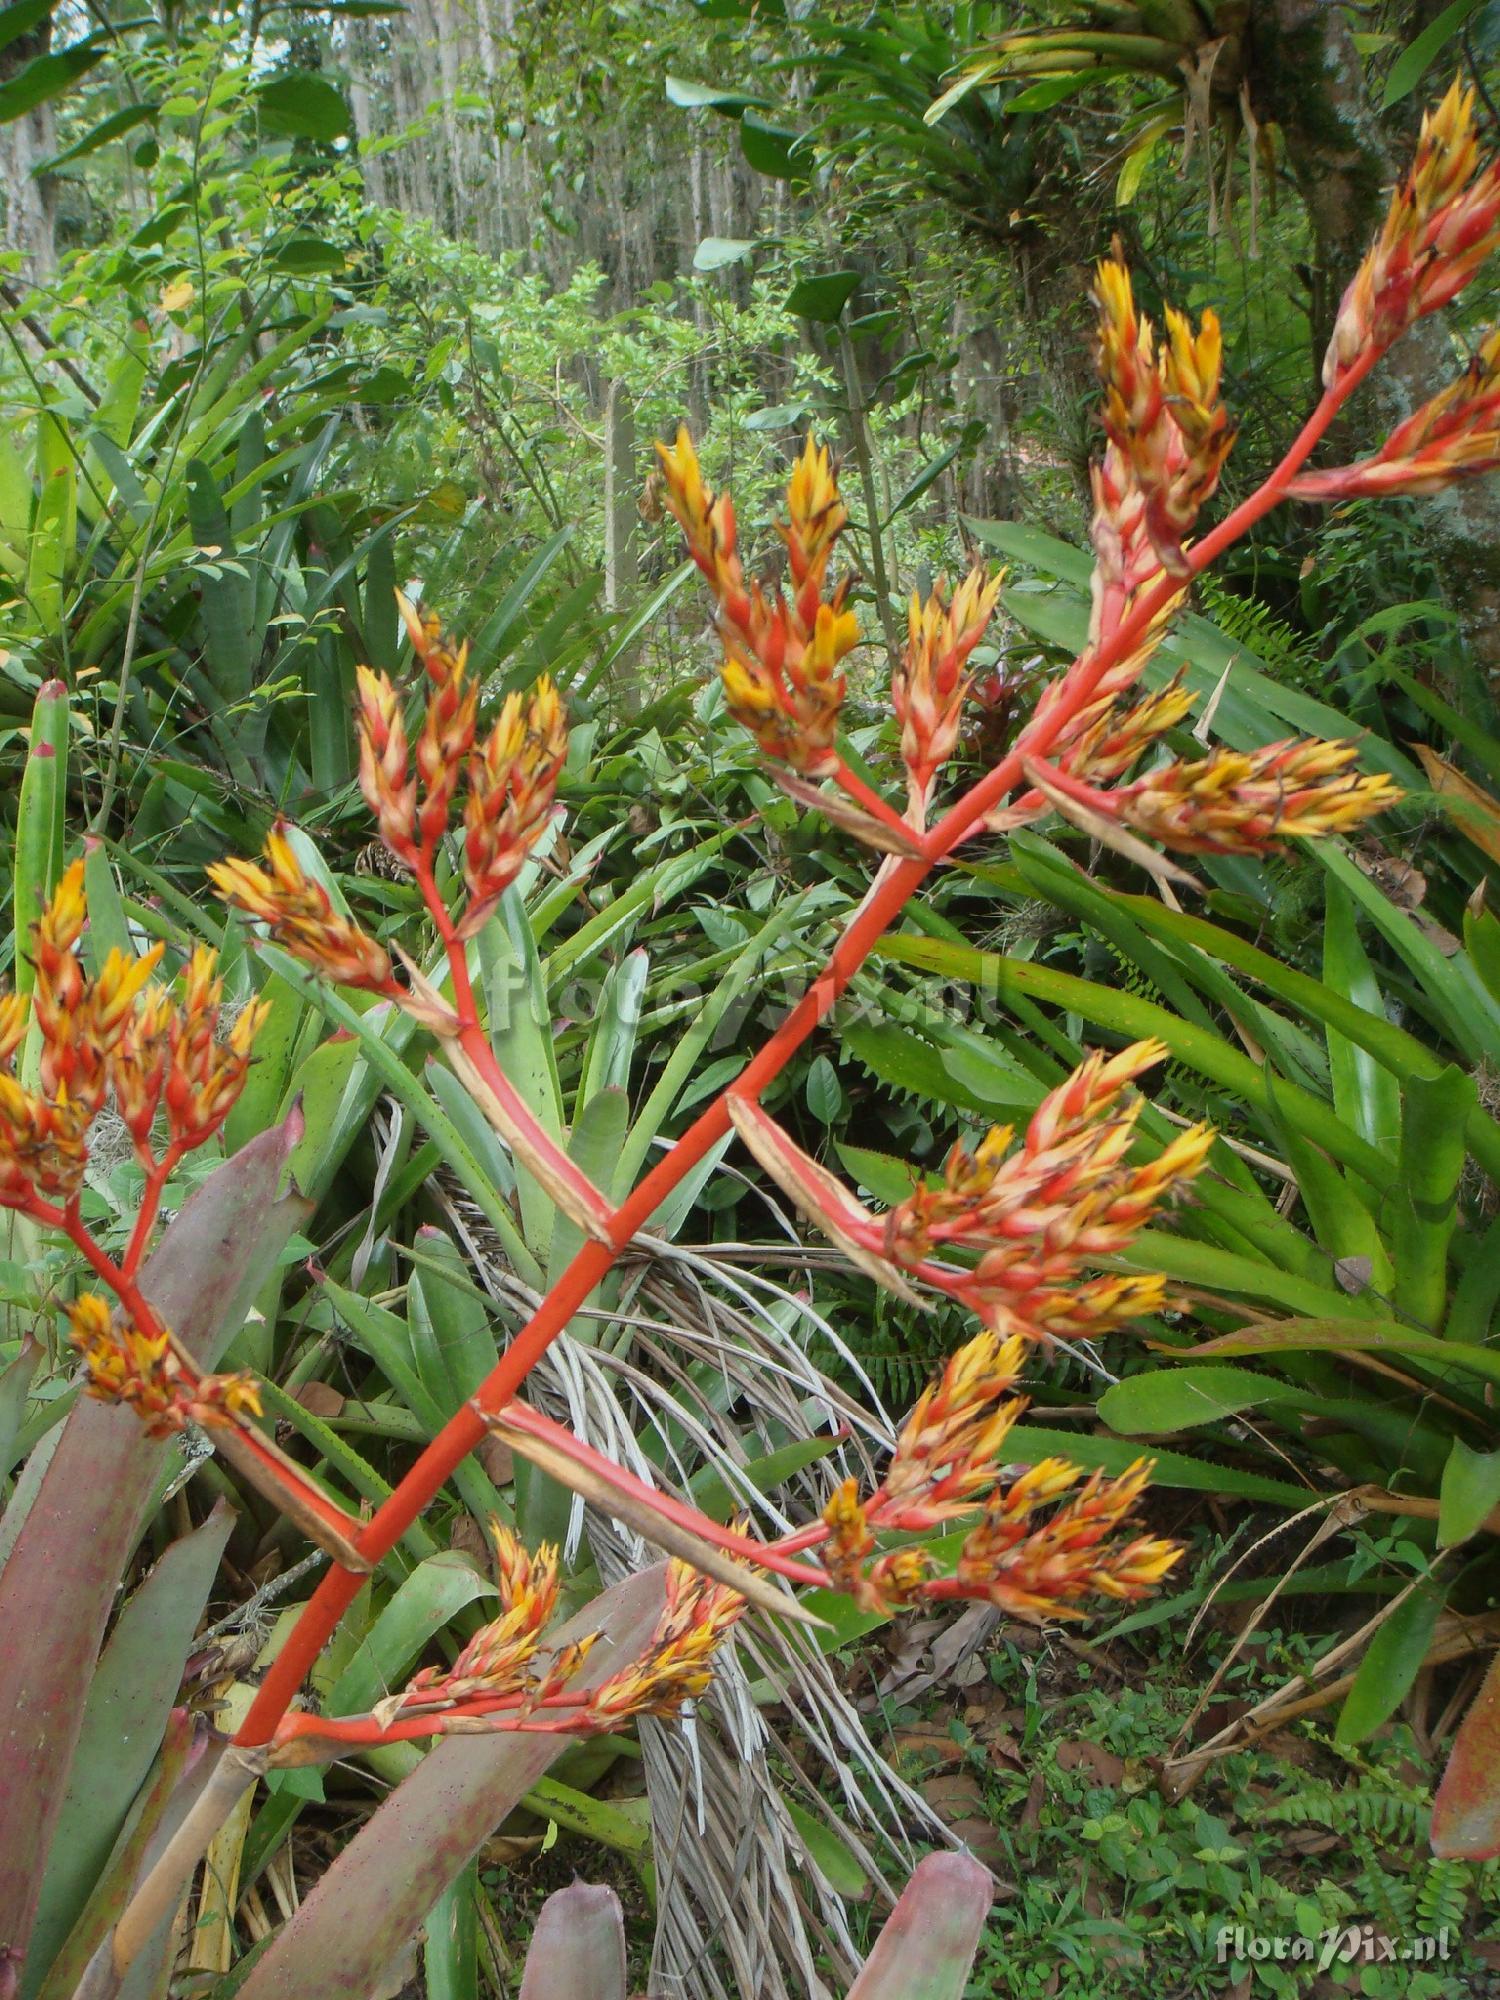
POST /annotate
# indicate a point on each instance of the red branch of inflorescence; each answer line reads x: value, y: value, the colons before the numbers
x: 1013, y: 1228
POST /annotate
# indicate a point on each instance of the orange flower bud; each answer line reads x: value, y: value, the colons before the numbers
x: 928, y: 688
x: 781, y: 660
x: 300, y: 915
x: 1246, y: 802
x: 512, y: 784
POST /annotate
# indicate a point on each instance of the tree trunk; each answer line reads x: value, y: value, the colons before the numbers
x: 1307, y: 76
x: 29, y: 202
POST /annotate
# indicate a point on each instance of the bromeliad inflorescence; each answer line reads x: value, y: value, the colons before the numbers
x: 1026, y: 1233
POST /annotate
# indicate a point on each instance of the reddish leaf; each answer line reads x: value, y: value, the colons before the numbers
x: 1466, y: 1811
x: 59, y: 1583
x: 578, y: 1947
x: 929, y: 1941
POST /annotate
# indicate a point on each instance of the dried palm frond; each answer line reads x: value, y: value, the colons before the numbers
x: 732, y: 1865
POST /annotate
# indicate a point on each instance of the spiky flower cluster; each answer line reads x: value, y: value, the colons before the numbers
x: 1443, y: 222
x: 1245, y: 802
x: 506, y: 1677
x: 1454, y: 435
x: 164, y: 1057
x: 510, y: 783
x: 504, y: 1657
x: 948, y: 1461
x: 782, y: 675
x: 929, y: 686
x: 1066, y: 1197
x: 123, y: 1363
x: 1163, y: 409
x: 510, y: 777
x: 299, y: 914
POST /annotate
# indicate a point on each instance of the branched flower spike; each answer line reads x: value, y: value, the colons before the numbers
x: 928, y: 688
x: 1443, y: 222
x: 1029, y: 1221
x: 782, y: 676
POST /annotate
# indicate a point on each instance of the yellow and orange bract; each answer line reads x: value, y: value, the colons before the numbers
x: 1442, y: 224
x: 1163, y: 410
x: 781, y: 671
x: 1245, y: 802
x: 1454, y: 435
x: 124, y: 1364
x: 299, y: 914
x: 929, y: 685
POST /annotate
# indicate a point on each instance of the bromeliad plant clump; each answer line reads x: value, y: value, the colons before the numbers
x: 1015, y: 1231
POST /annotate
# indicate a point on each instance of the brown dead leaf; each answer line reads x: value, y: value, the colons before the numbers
x: 957, y: 1797
x: 928, y: 1747
x: 497, y: 1460
x: 1396, y: 879
x: 1473, y: 810
x: 320, y: 1399
x: 469, y: 1539
x: 1097, y: 1763
x: 1036, y: 1798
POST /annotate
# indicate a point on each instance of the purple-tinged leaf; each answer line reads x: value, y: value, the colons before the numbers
x: 183, y: 1747
x: 59, y: 1582
x: 578, y: 1947
x: 369, y: 1905
x: 927, y: 1947
x: 1466, y: 1811
x: 128, y: 1704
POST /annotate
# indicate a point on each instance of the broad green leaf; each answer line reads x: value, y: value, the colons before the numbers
x: 15, y: 1387
x: 1434, y: 1117
x: 1365, y: 1090
x: 834, y: 1860
x: 1178, y: 1399
x: 302, y: 105
x: 1414, y: 61
x: 450, y: 1947
x: 706, y: 97
x: 115, y: 126
x: 1392, y: 1661
x: 1469, y: 1494
x: 822, y: 298
x: 714, y: 252
x: 772, y: 149
x: 435, y: 1592
x: 48, y: 76
x: 1169, y: 1468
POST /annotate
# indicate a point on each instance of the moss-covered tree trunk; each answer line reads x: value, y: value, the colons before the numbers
x: 1308, y: 77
